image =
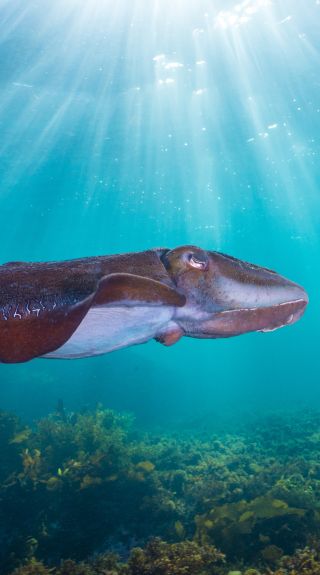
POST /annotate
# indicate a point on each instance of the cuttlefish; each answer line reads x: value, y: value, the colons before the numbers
x: 91, y: 306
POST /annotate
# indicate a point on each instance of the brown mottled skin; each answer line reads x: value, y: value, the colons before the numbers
x: 211, y: 295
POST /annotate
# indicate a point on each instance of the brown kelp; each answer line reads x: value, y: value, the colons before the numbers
x: 87, y: 493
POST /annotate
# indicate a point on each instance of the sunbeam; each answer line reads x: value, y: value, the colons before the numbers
x: 161, y: 105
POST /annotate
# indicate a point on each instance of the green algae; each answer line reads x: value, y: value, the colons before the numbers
x: 157, y: 558
x: 77, y: 484
x: 187, y: 558
x: 248, y: 525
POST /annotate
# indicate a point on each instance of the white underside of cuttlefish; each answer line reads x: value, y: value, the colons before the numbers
x: 106, y: 329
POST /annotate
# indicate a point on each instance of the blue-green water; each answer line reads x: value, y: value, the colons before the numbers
x: 132, y: 124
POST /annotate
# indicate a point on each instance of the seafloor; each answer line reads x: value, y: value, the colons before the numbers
x: 89, y: 494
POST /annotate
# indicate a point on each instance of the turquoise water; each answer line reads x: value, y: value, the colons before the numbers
x: 130, y: 125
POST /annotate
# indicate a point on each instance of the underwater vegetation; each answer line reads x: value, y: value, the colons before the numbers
x: 87, y: 493
x: 158, y: 558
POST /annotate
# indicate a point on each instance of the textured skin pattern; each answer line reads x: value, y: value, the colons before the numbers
x: 42, y: 304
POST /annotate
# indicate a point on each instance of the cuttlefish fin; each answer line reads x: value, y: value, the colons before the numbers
x: 10, y: 264
x: 35, y: 326
x: 129, y: 289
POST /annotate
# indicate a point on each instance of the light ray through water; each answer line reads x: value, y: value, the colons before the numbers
x: 161, y: 105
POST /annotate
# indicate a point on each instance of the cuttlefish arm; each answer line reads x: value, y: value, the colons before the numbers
x: 37, y: 318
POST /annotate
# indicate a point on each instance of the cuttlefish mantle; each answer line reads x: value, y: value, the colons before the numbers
x: 91, y: 306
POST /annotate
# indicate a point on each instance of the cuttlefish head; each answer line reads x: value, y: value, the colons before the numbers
x: 226, y: 296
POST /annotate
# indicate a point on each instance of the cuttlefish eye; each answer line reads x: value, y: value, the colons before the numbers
x: 198, y: 261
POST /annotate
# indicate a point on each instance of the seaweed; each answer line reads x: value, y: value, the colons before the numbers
x: 185, y: 558
x: 264, y: 525
x: 157, y: 558
x: 89, y: 484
